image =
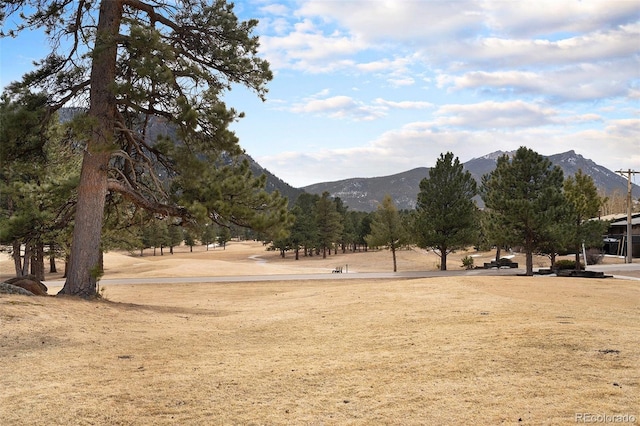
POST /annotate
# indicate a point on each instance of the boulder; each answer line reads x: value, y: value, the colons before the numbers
x: 29, y: 283
x: 6, y: 288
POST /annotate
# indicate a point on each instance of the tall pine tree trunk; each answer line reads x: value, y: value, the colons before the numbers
x: 393, y: 254
x: 443, y: 259
x: 26, y: 260
x: 37, y: 261
x: 17, y: 257
x: 84, y: 261
x: 529, y: 247
x: 529, y: 263
x: 52, y: 258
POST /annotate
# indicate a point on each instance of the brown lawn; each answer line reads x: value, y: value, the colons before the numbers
x: 454, y: 350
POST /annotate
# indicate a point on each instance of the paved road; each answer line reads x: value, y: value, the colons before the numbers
x: 620, y: 270
x: 290, y: 277
x: 625, y: 271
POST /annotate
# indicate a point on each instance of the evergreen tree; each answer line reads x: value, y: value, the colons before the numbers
x: 446, y: 215
x: 342, y: 210
x: 175, y: 237
x: 224, y: 236
x: 364, y: 229
x: 304, y: 232
x: 208, y: 235
x: 494, y: 233
x: 329, y: 223
x: 155, y: 235
x: 37, y: 176
x: 585, y: 204
x: 387, y: 229
x: 23, y: 156
x: 354, y: 231
x: 189, y: 239
x: 525, y: 197
x: 133, y: 64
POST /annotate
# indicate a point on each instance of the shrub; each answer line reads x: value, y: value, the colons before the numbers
x: 467, y: 262
x: 566, y: 264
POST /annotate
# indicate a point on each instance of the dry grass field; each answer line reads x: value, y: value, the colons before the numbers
x: 429, y: 351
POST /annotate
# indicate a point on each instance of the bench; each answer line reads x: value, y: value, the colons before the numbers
x: 338, y: 270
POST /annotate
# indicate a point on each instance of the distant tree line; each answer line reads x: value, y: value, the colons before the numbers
x: 529, y: 205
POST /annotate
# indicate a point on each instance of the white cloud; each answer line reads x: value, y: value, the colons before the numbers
x: 494, y: 52
x: 454, y: 35
x: 494, y: 115
x: 398, y: 65
x: 582, y: 118
x: 625, y: 128
x: 547, y: 17
x: 404, y: 104
x: 275, y: 9
x: 413, y: 21
x: 340, y: 107
x: 402, y: 81
x: 578, y: 82
x: 345, y: 107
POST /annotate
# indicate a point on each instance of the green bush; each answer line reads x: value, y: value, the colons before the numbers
x: 566, y: 264
x: 467, y: 262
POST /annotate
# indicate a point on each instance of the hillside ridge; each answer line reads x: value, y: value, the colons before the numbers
x: 364, y: 194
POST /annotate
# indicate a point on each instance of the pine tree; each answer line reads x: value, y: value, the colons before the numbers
x: 387, y: 229
x: 329, y: 223
x: 224, y: 236
x: 189, y: 239
x: 446, y: 215
x: 208, y: 235
x: 37, y: 176
x: 585, y: 204
x: 304, y: 232
x: 524, y: 195
x: 342, y: 210
x: 175, y: 237
x: 139, y: 63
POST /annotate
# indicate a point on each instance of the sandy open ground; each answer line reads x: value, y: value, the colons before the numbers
x: 445, y: 350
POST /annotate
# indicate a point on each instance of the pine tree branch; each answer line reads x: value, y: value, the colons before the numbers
x: 150, y: 10
x: 153, y: 206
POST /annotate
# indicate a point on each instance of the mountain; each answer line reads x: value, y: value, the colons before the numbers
x: 364, y: 194
x: 274, y: 183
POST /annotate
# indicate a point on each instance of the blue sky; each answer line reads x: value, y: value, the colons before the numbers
x: 368, y: 88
